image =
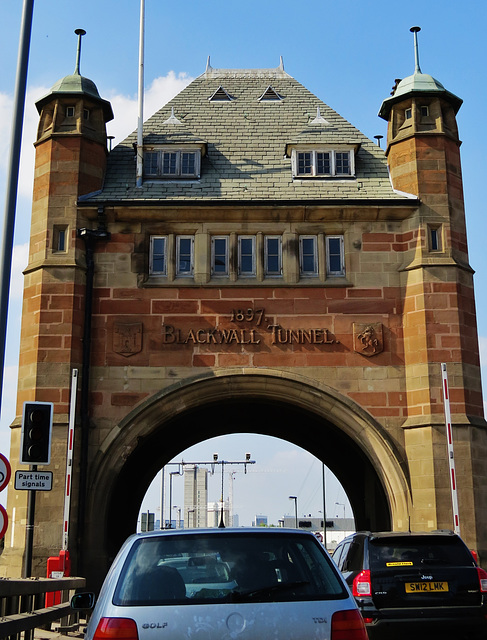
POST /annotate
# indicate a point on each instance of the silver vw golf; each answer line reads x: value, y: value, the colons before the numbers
x: 214, y: 584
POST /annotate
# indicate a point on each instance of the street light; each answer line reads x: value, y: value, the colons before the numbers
x: 178, y: 521
x: 173, y: 473
x: 295, y: 498
x: 340, y: 504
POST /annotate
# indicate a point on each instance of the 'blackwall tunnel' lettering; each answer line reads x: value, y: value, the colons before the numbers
x: 173, y: 335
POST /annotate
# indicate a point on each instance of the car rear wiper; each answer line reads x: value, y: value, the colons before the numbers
x: 433, y: 561
x: 280, y: 586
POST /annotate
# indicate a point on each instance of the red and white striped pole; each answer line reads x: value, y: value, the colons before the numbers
x: 451, y: 457
x: 69, y: 458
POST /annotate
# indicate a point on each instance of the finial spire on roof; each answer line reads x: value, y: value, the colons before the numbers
x: 172, y: 119
x: 281, y: 63
x: 414, y: 30
x: 80, y: 33
x: 208, y: 65
x: 319, y: 118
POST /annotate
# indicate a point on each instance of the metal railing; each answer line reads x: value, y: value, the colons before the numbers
x: 23, y: 604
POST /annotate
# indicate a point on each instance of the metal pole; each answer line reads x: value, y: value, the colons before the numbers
x: 161, y: 523
x: 29, y: 529
x: 69, y: 458
x: 222, y: 521
x: 451, y: 457
x: 13, y: 176
x: 140, y: 120
x: 295, y: 498
x: 324, y: 502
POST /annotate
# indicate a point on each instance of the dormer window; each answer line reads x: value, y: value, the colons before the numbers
x: 270, y: 95
x: 172, y: 163
x: 322, y: 163
x: 220, y: 95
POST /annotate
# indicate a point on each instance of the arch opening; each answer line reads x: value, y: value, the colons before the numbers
x: 334, y: 431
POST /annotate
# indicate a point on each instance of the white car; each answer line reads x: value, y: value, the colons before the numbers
x: 215, y: 584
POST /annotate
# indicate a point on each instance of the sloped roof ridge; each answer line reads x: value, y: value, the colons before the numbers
x: 276, y: 72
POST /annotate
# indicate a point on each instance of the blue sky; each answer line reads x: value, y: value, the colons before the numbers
x: 348, y: 54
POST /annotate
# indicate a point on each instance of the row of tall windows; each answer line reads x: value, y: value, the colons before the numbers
x: 244, y: 255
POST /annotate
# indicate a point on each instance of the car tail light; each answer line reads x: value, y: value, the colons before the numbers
x: 119, y: 628
x: 348, y: 625
x: 482, y: 579
x: 361, y: 584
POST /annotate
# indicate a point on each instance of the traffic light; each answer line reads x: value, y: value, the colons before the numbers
x: 35, y: 444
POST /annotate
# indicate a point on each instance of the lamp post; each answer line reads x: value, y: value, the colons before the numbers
x: 295, y: 498
x: 190, y: 511
x: 173, y: 473
x: 340, y: 504
x: 178, y: 521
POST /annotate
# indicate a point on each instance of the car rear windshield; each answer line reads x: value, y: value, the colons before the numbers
x: 418, y: 551
x: 203, y: 568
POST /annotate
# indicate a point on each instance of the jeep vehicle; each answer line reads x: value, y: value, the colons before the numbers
x: 422, y: 584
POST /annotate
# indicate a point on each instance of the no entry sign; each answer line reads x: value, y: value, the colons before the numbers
x: 5, y: 471
x: 3, y: 521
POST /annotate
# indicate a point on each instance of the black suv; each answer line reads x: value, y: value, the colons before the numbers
x: 426, y: 584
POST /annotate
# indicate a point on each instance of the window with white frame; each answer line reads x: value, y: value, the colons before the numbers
x: 335, y: 263
x: 219, y: 255
x: 308, y: 255
x: 158, y: 255
x: 184, y: 255
x: 318, y: 163
x: 172, y: 163
x: 246, y: 255
x: 273, y: 255
x: 172, y: 256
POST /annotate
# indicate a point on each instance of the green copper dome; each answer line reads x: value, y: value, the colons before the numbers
x: 77, y: 85
x: 418, y: 84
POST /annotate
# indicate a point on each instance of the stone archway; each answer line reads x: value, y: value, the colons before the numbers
x: 331, y: 427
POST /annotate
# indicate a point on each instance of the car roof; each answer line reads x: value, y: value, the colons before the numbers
x: 259, y: 531
x: 405, y: 534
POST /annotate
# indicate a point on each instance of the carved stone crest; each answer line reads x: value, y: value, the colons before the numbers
x: 127, y: 338
x: 368, y: 339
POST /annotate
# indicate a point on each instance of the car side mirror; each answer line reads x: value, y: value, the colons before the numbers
x: 83, y: 601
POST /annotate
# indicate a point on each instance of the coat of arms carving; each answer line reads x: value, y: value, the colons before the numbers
x: 127, y: 338
x: 368, y: 339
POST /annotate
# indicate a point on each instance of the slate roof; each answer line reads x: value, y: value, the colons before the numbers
x: 246, y: 142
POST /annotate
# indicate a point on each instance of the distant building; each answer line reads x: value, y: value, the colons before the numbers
x: 260, y: 521
x: 215, y: 514
x: 195, y: 497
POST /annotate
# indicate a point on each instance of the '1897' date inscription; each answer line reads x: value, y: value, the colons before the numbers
x: 246, y: 335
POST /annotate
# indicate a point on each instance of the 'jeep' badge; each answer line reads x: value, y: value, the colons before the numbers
x: 127, y: 338
x: 368, y: 338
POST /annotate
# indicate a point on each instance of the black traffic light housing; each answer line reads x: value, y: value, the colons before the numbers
x: 35, y: 444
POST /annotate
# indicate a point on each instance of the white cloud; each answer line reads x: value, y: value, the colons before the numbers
x: 125, y: 108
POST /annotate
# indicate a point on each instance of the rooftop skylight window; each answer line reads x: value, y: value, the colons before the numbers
x: 270, y: 95
x: 220, y: 95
